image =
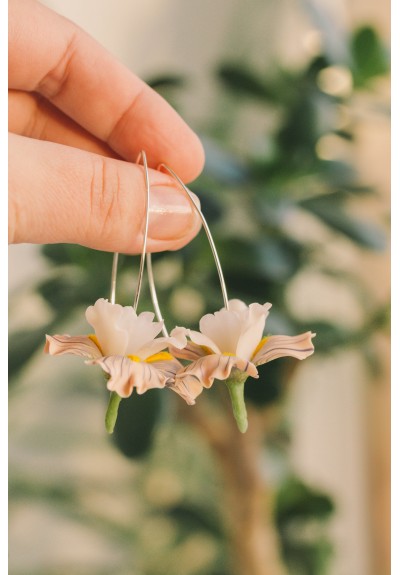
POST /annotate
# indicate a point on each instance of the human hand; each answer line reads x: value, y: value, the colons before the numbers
x: 75, y: 113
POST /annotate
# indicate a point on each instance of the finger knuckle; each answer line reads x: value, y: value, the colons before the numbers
x: 105, y: 188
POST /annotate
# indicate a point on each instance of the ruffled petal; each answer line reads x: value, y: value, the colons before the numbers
x: 216, y: 366
x: 104, y: 317
x: 189, y: 387
x: 126, y: 374
x: 81, y: 345
x: 298, y: 346
x: 169, y: 368
x: 191, y: 351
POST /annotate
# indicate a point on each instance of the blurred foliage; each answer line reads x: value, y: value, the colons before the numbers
x: 301, y: 513
x: 256, y: 203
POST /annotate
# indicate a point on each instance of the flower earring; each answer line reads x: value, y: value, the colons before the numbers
x: 228, y: 346
x: 124, y: 344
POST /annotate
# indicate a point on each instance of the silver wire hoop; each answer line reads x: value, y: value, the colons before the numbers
x: 114, y: 269
x: 150, y: 274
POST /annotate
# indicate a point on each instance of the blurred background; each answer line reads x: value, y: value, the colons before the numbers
x: 291, y: 100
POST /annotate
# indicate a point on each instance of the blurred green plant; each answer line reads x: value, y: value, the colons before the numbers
x: 262, y: 207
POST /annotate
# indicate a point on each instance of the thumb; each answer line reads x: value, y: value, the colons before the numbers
x: 62, y: 194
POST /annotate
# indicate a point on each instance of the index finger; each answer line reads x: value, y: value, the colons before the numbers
x: 51, y: 55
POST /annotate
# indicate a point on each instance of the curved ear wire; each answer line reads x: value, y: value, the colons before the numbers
x: 212, y: 245
x: 146, y: 230
x: 114, y: 270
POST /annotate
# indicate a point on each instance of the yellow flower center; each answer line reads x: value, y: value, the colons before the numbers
x: 208, y: 350
x: 229, y: 354
x: 264, y: 339
x: 161, y: 356
x: 94, y: 339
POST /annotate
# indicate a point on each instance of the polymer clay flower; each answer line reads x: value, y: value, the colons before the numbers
x: 125, y: 346
x: 229, y: 347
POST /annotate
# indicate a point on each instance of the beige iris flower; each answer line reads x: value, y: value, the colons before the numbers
x: 230, y: 344
x: 126, y: 347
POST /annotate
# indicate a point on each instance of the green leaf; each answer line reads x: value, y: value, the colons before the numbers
x: 22, y: 345
x: 193, y: 518
x: 370, y: 57
x: 273, y: 258
x: 332, y: 214
x: 270, y: 385
x: 298, y: 506
x: 73, y: 288
x: 164, y: 81
x: 244, y: 82
x: 94, y: 262
x: 298, y: 501
x: 138, y: 416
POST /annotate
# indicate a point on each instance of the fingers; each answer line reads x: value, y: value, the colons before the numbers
x: 31, y: 115
x: 50, y: 55
x: 62, y: 194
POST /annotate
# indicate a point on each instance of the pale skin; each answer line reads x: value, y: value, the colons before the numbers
x: 78, y: 120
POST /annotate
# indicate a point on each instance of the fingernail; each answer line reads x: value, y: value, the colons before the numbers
x: 172, y: 215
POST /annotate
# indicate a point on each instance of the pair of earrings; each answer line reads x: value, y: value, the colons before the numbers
x: 127, y: 346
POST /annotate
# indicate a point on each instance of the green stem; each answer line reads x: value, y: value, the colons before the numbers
x: 236, y: 392
x: 112, y: 411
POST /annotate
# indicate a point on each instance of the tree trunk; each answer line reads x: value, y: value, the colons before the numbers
x: 248, y: 505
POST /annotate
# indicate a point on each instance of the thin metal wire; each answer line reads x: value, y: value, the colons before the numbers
x: 144, y: 247
x: 114, y: 278
x: 153, y: 294
x: 208, y: 233
x: 146, y: 231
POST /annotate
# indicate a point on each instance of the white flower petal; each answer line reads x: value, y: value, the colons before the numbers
x: 257, y: 309
x: 253, y: 330
x: 223, y: 328
x: 120, y: 330
x: 80, y: 345
x: 236, y: 305
x: 141, y: 330
x: 202, y: 340
x: 178, y: 335
x: 126, y: 374
x: 104, y: 318
x: 298, y: 346
x: 158, y: 345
